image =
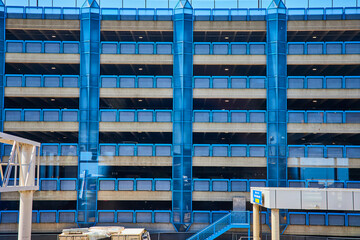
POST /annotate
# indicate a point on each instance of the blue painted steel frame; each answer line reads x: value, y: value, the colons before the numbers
x: 89, y: 111
x: 276, y: 94
x: 182, y: 120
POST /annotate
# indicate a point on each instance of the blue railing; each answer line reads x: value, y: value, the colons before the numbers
x: 46, y: 115
x: 311, y: 48
x: 232, y: 150
x: 20, y: 46
x: 145, y: 81
x: 199, y: 185
x: 259, y: 48
x: 135, y: 115
x: 137, y: 48
x: 324, y: 219
x: 319, y: 151
x: 323, y: 116
x: 230, y: 13
x: 215, y: 116
x: 323, y: 184
x: 18, y: 80
x: 164, y: 216
x: 235, y: 219
x: 234, y: 82
x: 320, y: 82
x: 233, y: 116
x: 200, y: 48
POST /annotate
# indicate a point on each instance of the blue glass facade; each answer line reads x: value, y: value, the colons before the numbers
x: 182, y: 121
x: 89, y: 113
x: 159, y: 116
x: 276, y: 94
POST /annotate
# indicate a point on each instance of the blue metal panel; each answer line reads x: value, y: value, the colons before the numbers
x: 89, y: 111
x: 276, y: 95
x: 182, y: 120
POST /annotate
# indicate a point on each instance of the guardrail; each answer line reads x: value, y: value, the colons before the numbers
x: 320, y: 151
x: 200, y: 48
x: 166, y: 14
x: 20, y: 46
x: 215, y: 116
x: 330, y: 117
x: 164, y: 216
x: 145, y: 81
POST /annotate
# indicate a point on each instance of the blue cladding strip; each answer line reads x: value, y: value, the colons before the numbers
x: 182, y: 123
x: 276, y: 94
x: 89, y: 110
x: 2, y: 63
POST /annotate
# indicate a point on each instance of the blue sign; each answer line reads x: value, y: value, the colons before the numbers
x: 257, y: 197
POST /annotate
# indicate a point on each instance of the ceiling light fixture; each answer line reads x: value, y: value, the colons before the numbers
x: 314, y: 69
x: 140, y: 69
x: 53, y: 68
x: 226, y: 37
x: 140, y: 37
x: 140, y: 100
x: 227, y: 100
x: 226, y: 69
x: 314, y: 37
x: 53, y: 99
x: 53, y: 36
x: 314, y: 101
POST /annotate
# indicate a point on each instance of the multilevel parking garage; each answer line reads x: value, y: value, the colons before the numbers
x: 229, y: 115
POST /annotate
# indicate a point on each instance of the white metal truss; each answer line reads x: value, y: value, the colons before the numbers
x: 22, y: 165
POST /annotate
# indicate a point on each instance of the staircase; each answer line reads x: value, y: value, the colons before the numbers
x: 234, y: 219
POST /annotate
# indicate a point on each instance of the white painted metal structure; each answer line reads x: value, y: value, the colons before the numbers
x: 300, y: 199
x: 23, y: 161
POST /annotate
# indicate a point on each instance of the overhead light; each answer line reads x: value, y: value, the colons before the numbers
x: 314, y: 69
x: 314, y: 101
x: 314, y: 37
x: 140, y: 100
x: 226, y: 69
x: 53, y: 36
x: 303, y: 139
x: 53, y: 99
x: 227, y: 100
x: 53, y: 68
x: 226, y: 37
x: 64, y: 137
x: 140, y: 37
x: 140, y: 69
x: 222, y: 138
x: 333, y: 143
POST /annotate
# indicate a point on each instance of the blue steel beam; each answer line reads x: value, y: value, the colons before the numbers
x: 182, y: 122
x: 276, y: 94
x: 89, y: 110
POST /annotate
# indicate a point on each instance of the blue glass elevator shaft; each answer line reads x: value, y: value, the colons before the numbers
x: 182, y: 122
x: 276, y: 94
x: 88, y: 110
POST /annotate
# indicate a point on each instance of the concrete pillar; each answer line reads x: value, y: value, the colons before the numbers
x: 256, y: 222
x: 26, y: 197
x: 275, y: 224
x: 25, y: 215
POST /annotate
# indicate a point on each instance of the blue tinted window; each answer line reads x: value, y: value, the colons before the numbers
x: 238, y: 49
x: 32, y: 115
x: 109, y: 48
x: 203, y: 49
x: 238, y: 83
x: 202, y: 116
x: 32, y: 81
x: 126, y: 150
x: 52, y: 47
x: 70, y: 82
x: 296, y: 82
x: 238, y: 117
x: 108, y: 82
x: 71, y: 47
x: 127, y: 48
x: 202, y: 82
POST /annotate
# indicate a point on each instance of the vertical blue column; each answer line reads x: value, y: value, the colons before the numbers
x: 2, y: 63
x: 88, y: 113
x: 276, y: 94
x: 182, y: 121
